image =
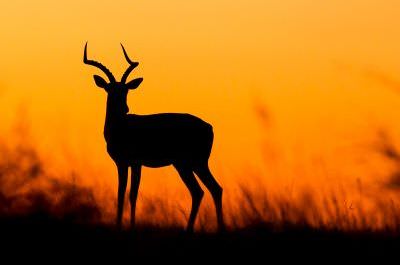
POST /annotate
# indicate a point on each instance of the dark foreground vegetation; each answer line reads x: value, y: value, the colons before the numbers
x: 42, y: 238
x: 46, y: 218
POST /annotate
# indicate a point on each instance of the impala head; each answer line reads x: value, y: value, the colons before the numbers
x: 116, y: 91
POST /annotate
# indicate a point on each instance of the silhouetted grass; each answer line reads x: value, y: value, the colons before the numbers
x: 45, y: 238
x: 43, y: 214
x: 26, y: 189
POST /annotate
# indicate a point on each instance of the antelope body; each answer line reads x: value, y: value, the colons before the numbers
x: 157, y: 140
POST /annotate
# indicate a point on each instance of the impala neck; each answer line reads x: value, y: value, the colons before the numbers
x: 114, y: 122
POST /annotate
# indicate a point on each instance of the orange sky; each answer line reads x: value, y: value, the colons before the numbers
x: 327, y: 72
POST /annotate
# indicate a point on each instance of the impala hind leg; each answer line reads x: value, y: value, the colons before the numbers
x: 122, y: 180
x: 196, y: 192
x: 135, y: 181
x: 205, y: 175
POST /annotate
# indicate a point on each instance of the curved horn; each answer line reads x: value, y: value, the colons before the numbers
x: 98, y: 65
x: 132, y: 66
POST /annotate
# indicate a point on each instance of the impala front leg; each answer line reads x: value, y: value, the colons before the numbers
x: 122, y: 180
x: 135, y: 181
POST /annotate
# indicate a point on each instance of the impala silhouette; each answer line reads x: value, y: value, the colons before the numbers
x: 157, y: 140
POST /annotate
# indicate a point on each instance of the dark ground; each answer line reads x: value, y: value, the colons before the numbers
x: 38, y: 238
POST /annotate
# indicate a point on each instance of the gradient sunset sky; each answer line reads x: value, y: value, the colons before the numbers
x: 326, y: 73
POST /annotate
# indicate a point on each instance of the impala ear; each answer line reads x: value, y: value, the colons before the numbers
x: 134, y: 83
x: 100, y: 82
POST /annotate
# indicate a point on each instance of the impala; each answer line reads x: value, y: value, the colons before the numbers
x: 181, y: 140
